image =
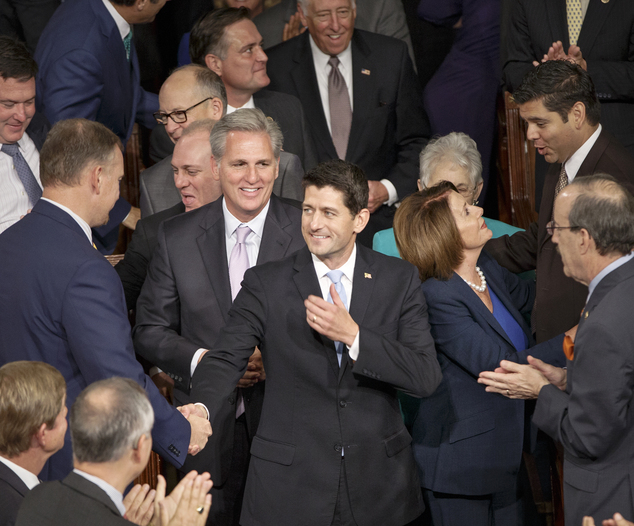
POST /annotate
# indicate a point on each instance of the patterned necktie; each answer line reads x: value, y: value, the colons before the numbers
x: 340, y: 111
x: 562, y: 181
x: 239, y: 260
x: 127, y: 44
x: 24, y: 172
x: 335, y: 276
x: 574, y: 14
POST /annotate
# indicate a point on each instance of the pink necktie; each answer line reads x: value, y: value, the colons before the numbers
x: 340, y: 111
x: 239, y: 260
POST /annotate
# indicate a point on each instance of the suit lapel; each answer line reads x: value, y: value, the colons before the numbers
x: 363, y: 92
x: 50, y: 210
x: 556, y: 10
x: 213, y: 251
x: 8, y: 475
x: 596, y: 15
x: 275, y: 240
x: 91, y: 490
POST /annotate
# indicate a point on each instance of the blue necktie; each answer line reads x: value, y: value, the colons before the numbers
x: 24, y: 172
x: 127, y: 44
x: 335, y: 276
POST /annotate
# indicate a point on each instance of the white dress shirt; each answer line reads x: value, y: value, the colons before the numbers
x: 14, y: 201
x: 122, y: 25
x: 248, y: 104
x: 30, y: 480
x: 346, y: 280
x: 115, y: 495
x: 576, y: 159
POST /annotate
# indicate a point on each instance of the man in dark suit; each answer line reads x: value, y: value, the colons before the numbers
x: 587, y: 406
x: 110, y: 424
x: 69, y: 310
x: 193, y: 278
x: 32, y: 428
x: 558, y: 101
x: 367, y: 110
x: 600, y: 41
x: 331, y: 447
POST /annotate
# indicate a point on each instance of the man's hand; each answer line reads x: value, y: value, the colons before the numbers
x: 180, y: 508
x: 333, y: 321
x: 27, y: 212
x: 293, y: 27
x: 201, y: 431
x: 514, y: 380
x: 132, y: 218
x: 139, y: 504
x: 617, y: 520
x: 378, y: 196
x: 255, y: 371
x: 574, y: 55
x: 555, y: 375
x: 556, y: 52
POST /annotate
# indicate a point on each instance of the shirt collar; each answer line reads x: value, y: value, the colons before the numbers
x: 30, y: 480
x: 612, y: 266
x: 115, y: 495
x: 576, y: 159
x: 256, y: 224
x: 249, y: 104
x: 84, y: 226
x: 347, y: 268
x: 122, y: 25
x: 321, y: 59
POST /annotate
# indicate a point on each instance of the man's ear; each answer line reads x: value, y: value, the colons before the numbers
x: 302, y: 15
x: 361, y: 220
x: 586, y: 243
x: 578, y: 114
x: 215, y: 168
x: 216, y: 109
x: 140, y: 5
x: 214, y: 63
x: 96, y: 177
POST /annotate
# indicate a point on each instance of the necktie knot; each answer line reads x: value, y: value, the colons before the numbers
x: 242, y: 232
x: 334, y: 61
x: 10, y: 149
x: 335, y: 276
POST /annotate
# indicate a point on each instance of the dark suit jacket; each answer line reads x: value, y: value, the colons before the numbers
x: 313, y: 408
x: 559, y: 299
x: 158, y: 191
x: 594, y: 418
x: 74, y: 501
x: 186, y: 299
x: 38, y: 129
x: 12, y: 493
x: 389, y: 124
x: 468, y: 441
x: 83, y: 71
x: 606, y: 41
x: 69, y: 311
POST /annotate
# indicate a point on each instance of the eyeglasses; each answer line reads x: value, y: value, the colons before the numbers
x: 552, y: 226
x: 178, y: 116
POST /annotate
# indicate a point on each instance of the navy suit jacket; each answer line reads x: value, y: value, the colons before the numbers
x: 12, y: 493
x: 64, y: 305
x: 468, y: 441
x: 84, y: 71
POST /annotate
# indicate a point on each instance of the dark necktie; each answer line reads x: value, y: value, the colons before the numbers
x: 340, y: 111
x: 127, y: 44
x: 24, y: 172
x: 335, y: 276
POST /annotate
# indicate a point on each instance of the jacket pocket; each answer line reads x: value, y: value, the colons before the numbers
x: 273, y: 451
x: 471, y: 426
x: 580, y: 478
x: 397, y: 442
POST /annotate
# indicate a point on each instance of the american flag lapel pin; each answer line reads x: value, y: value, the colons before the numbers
x: 367, y: 275
x: 365, y: 71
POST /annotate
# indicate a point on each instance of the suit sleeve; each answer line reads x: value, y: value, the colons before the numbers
x: 146, y: 205
x: 157, y: 334
x: 519, y: 48
x: 516, y: 253
x: 98, y: 334
x: 147, y: 104
x: 132, y: 269
x: 590, y: 418
x: 291, y: 179
x: 402, y: 355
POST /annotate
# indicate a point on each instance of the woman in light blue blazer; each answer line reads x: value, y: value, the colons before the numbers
x: 467, y: 442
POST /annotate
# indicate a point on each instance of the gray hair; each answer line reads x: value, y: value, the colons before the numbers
x: 457, y: 148
x: 203, y: 125
x: 606, y: 210
x: 304, y: 4
x: 108, y: 419
x: 245, y: 120
x: 208, y: 83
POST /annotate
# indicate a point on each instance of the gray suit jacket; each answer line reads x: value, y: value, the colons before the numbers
x: 386, y: 17
x: 74, y: 501
x: 594, y: 418
x: 159, y: 193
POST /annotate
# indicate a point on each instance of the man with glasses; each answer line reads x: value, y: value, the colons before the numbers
x: 361, y: 98
x: 559, y: 103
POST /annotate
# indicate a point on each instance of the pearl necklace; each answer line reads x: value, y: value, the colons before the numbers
x: 482, y: 287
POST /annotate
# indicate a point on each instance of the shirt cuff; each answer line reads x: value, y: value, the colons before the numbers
x: 154, y: 370
x: 195, y: 359
x: 353, y: 350
x: 391, y: 191
x: 205, y: 408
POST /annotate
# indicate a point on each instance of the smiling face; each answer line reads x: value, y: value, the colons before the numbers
x: 555, y: 139
x: 328, y: 227
x: 193, y: 176
x: 330, y: 23
x: 17, y: 107
x: 473, y: 230
x: 246, y: 172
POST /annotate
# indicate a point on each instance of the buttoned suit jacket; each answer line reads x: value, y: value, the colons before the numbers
x: 313, y: 408
x: 606, y: 41
x: 185, y: 302
x: 74, y: 501
x: 84, y: 72
x: 12, y: 493
x: 559, y: 298
x: 64, y: 305
x: 389, y: 124
x: 158, y: 191
x: 468, y: 441
x: 593, y: 419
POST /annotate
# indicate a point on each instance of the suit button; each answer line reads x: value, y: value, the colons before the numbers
x: 232, y: 400
x: 338, y: 448
x: 342, y: 403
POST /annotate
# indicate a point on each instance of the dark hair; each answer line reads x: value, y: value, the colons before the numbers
x: 426, y: 233
x: 208, y: 34
x: 129, y: 3
x: 70, y: 146
x: 560, y: 84
x: 15, y: 60
x: 606, y: 210
x: 343, y: 176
